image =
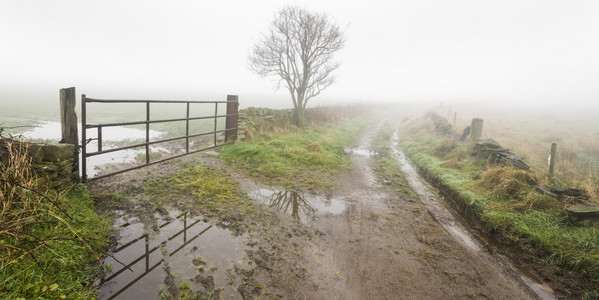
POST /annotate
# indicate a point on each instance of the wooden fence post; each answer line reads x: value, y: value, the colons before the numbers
x: 68, y: 117
x: 231, y: 123
x: 552, y: 159
x: 455, y: 118
x: 68, y: 122
x: 476, y: 129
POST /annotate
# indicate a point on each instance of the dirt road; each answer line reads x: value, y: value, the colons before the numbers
x: 365, y: 241
x: 384, y: 246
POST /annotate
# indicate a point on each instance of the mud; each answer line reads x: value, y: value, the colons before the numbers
x: 450, y: 222
x: 360, y: 241
x: 384, y: 246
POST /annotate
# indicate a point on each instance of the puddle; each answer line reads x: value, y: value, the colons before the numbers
x: 304, y: 207
x: 113, y: 136
x: 179, y: 244
x: 361, y: 152
x: 448, y: 222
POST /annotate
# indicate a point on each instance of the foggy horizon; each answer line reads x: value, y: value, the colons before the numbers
x: 508, y: 52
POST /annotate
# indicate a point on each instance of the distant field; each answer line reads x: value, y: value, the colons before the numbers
x: 530, y: 132
x: 29, y: 113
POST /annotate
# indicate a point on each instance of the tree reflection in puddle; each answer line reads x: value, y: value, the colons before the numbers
x: 293, y: 203
x: 303, y: 207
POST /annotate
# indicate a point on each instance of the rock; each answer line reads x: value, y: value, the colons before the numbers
x: 465, y: 133
x: 568, y: 192
x: 545, y: 190
x: 496, y: 154
x: 559, y: 192
x: 442, y: 127
x: 577, y: 214
x: 58, y: 152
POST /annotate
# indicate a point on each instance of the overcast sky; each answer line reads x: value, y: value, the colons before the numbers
x: 507, y: 51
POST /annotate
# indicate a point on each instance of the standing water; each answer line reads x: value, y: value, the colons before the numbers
x: 183, y: 250
x: 112, y: 136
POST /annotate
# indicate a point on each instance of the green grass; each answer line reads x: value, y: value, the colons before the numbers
x: 65, y: 267
x: 210, y: 191
x: 505, y: 201
x: 301, y: 160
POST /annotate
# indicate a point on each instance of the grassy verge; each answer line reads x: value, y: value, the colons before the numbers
x: 49, y: 239
x: 298, y: 160
x: 505, y: 202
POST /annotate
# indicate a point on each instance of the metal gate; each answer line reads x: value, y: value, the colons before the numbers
x: 230, y: 130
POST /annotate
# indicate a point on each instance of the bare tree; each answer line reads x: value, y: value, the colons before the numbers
x: 299, y: 51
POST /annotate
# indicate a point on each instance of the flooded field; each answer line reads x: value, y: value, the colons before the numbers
x: 118, y: 136
x: 302, y: 206
x: 113, y: 136
x: 182, y: 251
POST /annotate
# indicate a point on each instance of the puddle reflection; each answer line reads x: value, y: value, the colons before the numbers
x: 303, y: 207
x: 141, y: 278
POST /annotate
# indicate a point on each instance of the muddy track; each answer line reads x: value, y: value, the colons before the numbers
x: 384, y: 246
x: 360, y: 241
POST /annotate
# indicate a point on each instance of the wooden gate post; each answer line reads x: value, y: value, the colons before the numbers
x: 231, y: 123
x: 476, y: 129
x: 68, y: 122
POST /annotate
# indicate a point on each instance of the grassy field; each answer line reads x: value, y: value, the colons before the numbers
x: 529, y: 133
x: 504, y: 200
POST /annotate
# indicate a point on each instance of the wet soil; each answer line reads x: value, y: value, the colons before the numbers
x: 360, y: 240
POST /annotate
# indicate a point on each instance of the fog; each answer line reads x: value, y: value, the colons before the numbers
x: 538, y: 53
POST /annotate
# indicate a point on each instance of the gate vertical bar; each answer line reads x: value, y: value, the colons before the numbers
x: 187, y: 130
x: 147, y: 132
x: 232, y: 114
x: 147, y: 253
x: 215, y: 119
x: 83, y: 142
x: 99, y: 138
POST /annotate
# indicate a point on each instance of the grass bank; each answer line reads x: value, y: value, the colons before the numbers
x: 50, y: 239
x: 302, y: 159
x: 505, y: 202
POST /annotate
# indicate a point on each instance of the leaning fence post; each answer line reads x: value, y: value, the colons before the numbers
x: 476, y: 129
x: 231, y: 123
x: 68, y: 122
x: 552, y: 159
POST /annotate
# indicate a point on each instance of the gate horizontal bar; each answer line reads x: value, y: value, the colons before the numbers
x: 88, y: 126
x: 155, y: 142
x: 88, y: 100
